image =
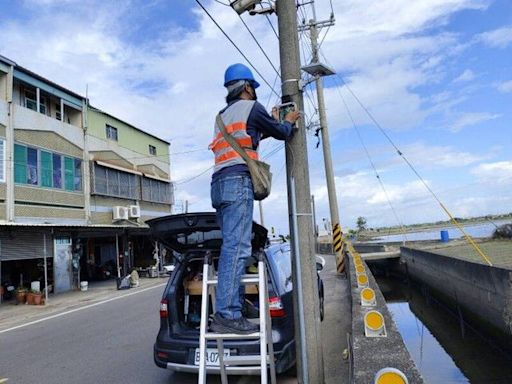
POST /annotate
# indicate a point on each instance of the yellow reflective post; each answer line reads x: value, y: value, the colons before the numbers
x: 337, y: 243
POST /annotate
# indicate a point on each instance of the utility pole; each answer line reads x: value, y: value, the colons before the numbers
x: 305, y: 294
x: 318, y: 70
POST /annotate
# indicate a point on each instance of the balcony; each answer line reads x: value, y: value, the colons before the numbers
x: 27, y: 119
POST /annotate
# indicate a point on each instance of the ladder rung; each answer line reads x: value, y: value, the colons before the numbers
x: 243, y: 360
x: 231, y: 336
x: 246, y: 279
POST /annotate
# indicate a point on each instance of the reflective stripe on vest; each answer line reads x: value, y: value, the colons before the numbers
x: 235, y: 119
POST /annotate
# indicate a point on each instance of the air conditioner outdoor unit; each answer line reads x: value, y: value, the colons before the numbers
x: 119, y: 213
x: 134, y: 211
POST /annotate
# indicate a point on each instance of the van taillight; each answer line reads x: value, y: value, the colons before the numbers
x: 163, y: 308
x: 276, y: 307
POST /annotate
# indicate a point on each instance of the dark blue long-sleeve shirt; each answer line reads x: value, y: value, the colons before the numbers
x: 260, y: 125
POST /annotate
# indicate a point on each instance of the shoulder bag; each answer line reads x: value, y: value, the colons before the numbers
x: 260, y: 171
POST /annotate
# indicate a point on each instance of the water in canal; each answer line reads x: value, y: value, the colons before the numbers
x: 474, y: 230
x: 444, y: 351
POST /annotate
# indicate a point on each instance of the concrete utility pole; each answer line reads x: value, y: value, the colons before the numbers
x: 318, y: 70
x: 307, y: 320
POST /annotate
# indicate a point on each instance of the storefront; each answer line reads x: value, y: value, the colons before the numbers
x: 60, y: 257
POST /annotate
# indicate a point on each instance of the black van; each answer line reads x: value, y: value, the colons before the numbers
x: 177, y: 344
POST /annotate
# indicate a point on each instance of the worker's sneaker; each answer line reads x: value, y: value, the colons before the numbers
x: 240, y: 326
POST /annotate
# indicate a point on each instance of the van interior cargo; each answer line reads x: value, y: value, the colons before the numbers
x: 189, y: 291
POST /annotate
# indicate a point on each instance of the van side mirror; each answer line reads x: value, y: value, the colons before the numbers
x: 319, y: 266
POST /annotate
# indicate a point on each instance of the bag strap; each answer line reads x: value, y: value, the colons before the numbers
x: 234, y: 144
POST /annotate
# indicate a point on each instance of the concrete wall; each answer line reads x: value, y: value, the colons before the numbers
x: 370, y: 354
x: 101, y: 209
x: 481, y: 292
x: 128, y: 138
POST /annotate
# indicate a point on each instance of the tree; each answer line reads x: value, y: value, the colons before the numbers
x: 361, y: 223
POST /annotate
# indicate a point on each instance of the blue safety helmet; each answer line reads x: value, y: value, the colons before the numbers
x: 239, y: 72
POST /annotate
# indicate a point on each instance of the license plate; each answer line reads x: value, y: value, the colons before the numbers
x: 212, y: 356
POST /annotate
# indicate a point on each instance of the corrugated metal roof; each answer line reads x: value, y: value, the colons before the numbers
x: 92, y: 226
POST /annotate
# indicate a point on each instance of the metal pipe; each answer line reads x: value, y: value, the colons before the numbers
x: 45, y: 271
x: 299, y: 284
x: 117, y: 256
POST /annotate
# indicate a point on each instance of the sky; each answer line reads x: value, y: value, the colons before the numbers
x: 434, y: 75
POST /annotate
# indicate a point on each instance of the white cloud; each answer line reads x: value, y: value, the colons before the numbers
x: 385, y: 50
x: 442, y: 156
x: 467, y: 75
x: 505, y: 87
x: 498, y: 38
x: 471, y: 118
x: 495, y: 173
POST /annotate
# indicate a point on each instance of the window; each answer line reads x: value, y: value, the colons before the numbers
x: 78, y: 175
x: 68, y: 174
x: 38, y: 167
x: 2, y: 160
x: 57, y: 171
x: 152, y: 150
x: 20, y: 164
x: 58, y: 115
x: 111, y: 132
x: 30, y: 100
x: 156, y: 191
x: 112, y: 182
x: 42, y: 105
x: 46, y: 169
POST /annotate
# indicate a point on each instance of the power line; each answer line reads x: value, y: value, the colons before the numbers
x: 272, y: 26
x: 400, y: 223
x: 259, y: 45
x: 236, y: 46
x: 400, y: 153
x: 180, y: 182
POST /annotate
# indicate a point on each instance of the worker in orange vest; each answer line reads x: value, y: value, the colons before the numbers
x: 232, y: 193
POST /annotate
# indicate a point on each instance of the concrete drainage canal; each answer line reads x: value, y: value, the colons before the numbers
x: 446, y: 347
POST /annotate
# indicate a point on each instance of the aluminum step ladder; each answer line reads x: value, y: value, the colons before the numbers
x: 257, y: 361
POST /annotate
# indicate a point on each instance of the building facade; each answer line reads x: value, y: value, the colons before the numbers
x: 76, y: 184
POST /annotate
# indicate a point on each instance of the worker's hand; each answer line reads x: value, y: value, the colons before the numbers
x: 292, y: 116
x: 275, y: 113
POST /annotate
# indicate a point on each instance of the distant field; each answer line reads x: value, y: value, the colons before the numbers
x: 428, y: 227
x: 498, y: 251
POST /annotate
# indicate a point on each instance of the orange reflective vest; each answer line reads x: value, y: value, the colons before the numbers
x: 235, y: 119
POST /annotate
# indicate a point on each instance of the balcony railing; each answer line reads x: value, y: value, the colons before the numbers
x: 28, y: 119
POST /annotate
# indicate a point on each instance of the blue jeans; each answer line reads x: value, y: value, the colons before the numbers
x: 233, y: 198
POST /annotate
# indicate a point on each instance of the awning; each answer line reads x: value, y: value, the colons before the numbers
x: 156, y: 177
x: 117, y: 167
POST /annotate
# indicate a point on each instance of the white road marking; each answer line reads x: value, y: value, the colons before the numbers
x: 79, y: 309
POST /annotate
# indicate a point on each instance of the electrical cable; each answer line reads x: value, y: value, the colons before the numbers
x: 272, y: 26
x: 180, y: 182
x: 259, y: 45
x: 400, y: 153
x: 400, y: 223
x: 236, y: 46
